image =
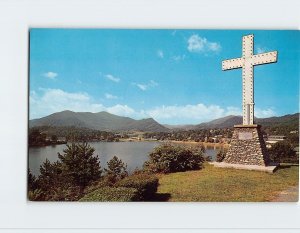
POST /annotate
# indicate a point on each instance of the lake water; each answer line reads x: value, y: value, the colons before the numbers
x: 132, y: 153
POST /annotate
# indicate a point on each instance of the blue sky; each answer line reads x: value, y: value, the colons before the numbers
x: 174, y: 76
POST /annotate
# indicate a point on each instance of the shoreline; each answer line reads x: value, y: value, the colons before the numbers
x: 205, y: 144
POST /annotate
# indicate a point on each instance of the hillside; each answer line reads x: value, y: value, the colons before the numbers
x: 224, y: 122
x: 291, y: 120
x: 109, y: 122
x: 179, y: 127
x: 97, y: 121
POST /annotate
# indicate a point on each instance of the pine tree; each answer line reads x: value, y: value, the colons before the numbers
x: 78, y: 163
x: 116, y: 169
x: 32, y: 182
x: 50, y: 176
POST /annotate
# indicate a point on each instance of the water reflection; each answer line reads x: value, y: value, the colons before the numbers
x: 132, y: 153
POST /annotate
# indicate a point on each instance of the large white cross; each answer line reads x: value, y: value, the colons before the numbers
x: 246, y: 62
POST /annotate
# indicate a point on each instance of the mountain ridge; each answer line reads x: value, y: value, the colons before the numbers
x: 231, y: 120
x: 98, y: 121
x: 109, y: 122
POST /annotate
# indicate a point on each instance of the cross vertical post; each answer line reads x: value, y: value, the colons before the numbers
x: 246, y: 62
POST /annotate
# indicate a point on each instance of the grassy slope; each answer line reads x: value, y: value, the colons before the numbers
x: 219, y: 184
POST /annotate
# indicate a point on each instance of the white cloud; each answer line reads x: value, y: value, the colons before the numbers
x: 186, y: 113
x: 121, y: 110
x: 233, y: 111
x: 153, y: 83
x: 49, y: 101
x: 198, y: 113
x: 262, y: 113
x: 201, y: 44
x: 112, y: 78
x: 178, y: 58
x: 50, y: 75
x: 143, y: 87
x: 110, y: 96
x: 160, y: 53
x: 56, y: 100
x: 146, y: 86
x: 260, y: 49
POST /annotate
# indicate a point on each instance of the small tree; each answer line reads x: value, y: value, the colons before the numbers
x: 50, y: 176
x: 80, y: 165
x: 282, y: 152
x: 36, y: 138
x: 116, y: 169
x: 221, y: 155
x: 32, y: 182
x: 169, y: 158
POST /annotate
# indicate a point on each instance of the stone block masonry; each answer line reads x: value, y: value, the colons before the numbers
x: 247, y: 147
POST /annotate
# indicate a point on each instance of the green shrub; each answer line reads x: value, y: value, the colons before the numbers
x: 145, y: 184
x: 72, y: 193
x: 116, y: 170
x: 283, y: 152
x: 110, y: 194
x: 56, y: 194
x: 169, y: 158
x: 31, y: 181
x: 221, y: 155
x: 103, y: 182
x: 36, y: 195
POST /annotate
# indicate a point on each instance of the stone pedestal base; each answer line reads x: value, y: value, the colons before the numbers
x: 247, y: 146
x: 270, y: 169
x: 247, y: 150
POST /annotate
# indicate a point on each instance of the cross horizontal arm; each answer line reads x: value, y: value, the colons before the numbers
x: 232, y: 63
x: 264, y: 58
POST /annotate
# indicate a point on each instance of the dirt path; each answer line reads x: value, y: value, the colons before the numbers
x: 289, y: 195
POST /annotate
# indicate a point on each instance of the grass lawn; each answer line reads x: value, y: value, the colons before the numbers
x: 222, y: 184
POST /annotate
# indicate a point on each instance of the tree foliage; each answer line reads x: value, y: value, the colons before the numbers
x: 221, y: 155
x: 169, y: 158
x: 112, y: 194
x: 116, y: 169
x: 50, y: 175
x: 283, y: 152
x: 145, y: 184
x: 32, y: 181
x: 78, y: 163
x: 66, y: 178
x: 36, y: 138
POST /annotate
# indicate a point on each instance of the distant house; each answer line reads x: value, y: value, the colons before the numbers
x: 272, y: 139
x: 294, y: 131
x: 61, y: 139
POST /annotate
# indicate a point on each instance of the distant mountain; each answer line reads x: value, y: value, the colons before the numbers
x: 109, y: 122
x: 291, y: 120
x: 179, y: 127
x: 286, y: 120
x: 224, y: 122
x: 98, y: 121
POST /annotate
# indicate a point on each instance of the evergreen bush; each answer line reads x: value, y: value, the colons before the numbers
x: 145, y: 184
x: 110, y: 194
x: 170, y: 158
